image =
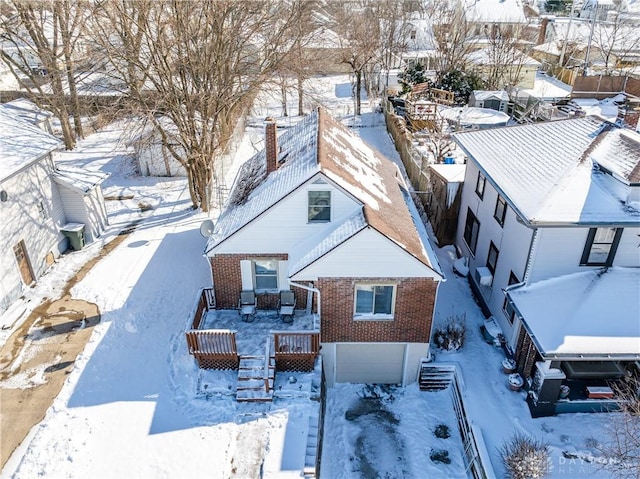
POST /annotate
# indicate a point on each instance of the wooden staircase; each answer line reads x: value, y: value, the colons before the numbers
x: 434, y: 377
x: 256, y: 375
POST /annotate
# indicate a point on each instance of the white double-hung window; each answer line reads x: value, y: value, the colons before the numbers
x: 266, y: 274
x: 319, y: 206
x: 374, y: 301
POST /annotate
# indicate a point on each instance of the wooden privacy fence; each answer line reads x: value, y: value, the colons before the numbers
x: 214, y: 348
x: 296, y: 351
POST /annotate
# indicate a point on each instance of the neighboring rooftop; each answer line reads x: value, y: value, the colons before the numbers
x: 571, y: 315
x: 494, y: 11
x: 467, y: 115
x: 80, y: 179
x: 21, y: 143
x: 546, y: 170
x: 453, y: 173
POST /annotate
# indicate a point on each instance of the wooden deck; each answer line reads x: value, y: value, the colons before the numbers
x: 218, y: 348
x: 296, y: 351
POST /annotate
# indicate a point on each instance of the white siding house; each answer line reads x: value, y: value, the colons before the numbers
x: 36, y: 201
x: 547, y: 201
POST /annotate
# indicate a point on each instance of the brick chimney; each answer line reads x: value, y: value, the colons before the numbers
x: 542, y: 33
x: 271, y: 144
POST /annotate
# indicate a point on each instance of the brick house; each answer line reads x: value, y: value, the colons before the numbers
x: 320, y: 213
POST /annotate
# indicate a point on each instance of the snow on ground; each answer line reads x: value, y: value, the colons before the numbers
x: 136, y: 405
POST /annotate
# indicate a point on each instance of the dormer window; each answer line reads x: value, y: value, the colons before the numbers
x: 319, y: 209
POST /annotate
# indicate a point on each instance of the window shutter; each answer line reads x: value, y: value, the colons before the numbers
x: 246, y: 271
x: 283, y: 275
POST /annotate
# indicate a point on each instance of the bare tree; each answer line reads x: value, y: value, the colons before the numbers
x: 43, y: 48
x: 506, y: 52
x: 622, y: 445
x: 615, y: 40
x: 192, y: 68
x: 393, y: 17
x: 358, y: 30
x: 451, y: 34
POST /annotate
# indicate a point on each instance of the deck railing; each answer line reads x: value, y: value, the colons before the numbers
x: 206, y: 301
x: 214, y: 348
x: 296, y: 351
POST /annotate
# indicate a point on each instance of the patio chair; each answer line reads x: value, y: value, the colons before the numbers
x: 286, y: 306
x: 247, y: 305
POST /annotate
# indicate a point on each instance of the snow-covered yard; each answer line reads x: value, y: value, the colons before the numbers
x: 136, y: 405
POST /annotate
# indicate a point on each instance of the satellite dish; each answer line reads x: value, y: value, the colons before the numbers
x: 206, y: 228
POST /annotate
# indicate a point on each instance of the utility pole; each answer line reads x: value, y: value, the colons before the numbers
x: 594, y: 12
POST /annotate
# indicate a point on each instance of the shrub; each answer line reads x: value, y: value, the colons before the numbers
x: 442, y: 431
x: 440, y: 455
x: 451, y: 336
x: 525, y: 457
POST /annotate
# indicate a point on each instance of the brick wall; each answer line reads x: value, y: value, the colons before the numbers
x: 227, y: 282
x: 415, y: 298
x: 271, y: 144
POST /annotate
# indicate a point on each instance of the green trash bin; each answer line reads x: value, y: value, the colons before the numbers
x: 75, y: 233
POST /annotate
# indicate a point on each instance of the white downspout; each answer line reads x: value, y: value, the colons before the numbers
x: 308, y: 288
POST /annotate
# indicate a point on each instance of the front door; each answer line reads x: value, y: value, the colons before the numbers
x: 20, y: 250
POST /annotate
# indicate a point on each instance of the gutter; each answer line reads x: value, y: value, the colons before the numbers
x: 523, y: 219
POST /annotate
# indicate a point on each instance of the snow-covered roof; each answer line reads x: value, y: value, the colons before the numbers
x: 310, y: 251
x: 603, y: 108
x: 481, y: 95
x: 451, y: 173
x: 546, y: 170
x: 21, y: 143
x: 625, y: 164
x: 592, y: 313
x: 320, y: 144
x: 548, y: 88
x: 494, y: 11
x: 78, y: 178
x: 474, y: 116
x: 27, y: 110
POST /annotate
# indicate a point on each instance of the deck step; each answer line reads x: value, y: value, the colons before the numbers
x: 253, y: 386
x: 254, y: 395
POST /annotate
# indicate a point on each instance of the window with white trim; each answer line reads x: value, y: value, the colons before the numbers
x: 265, y: 273
x: 374, y: 301
x: 319, y: 206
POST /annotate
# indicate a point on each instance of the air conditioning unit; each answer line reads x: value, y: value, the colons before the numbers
x: 483, y: 276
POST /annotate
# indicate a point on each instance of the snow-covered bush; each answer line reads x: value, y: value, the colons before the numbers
x: 525, y: 457
x: 451, y: 336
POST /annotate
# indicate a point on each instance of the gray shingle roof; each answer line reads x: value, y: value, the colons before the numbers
x: 546, y: 170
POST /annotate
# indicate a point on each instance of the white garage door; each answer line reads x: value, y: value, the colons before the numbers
x: 369, y: 363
